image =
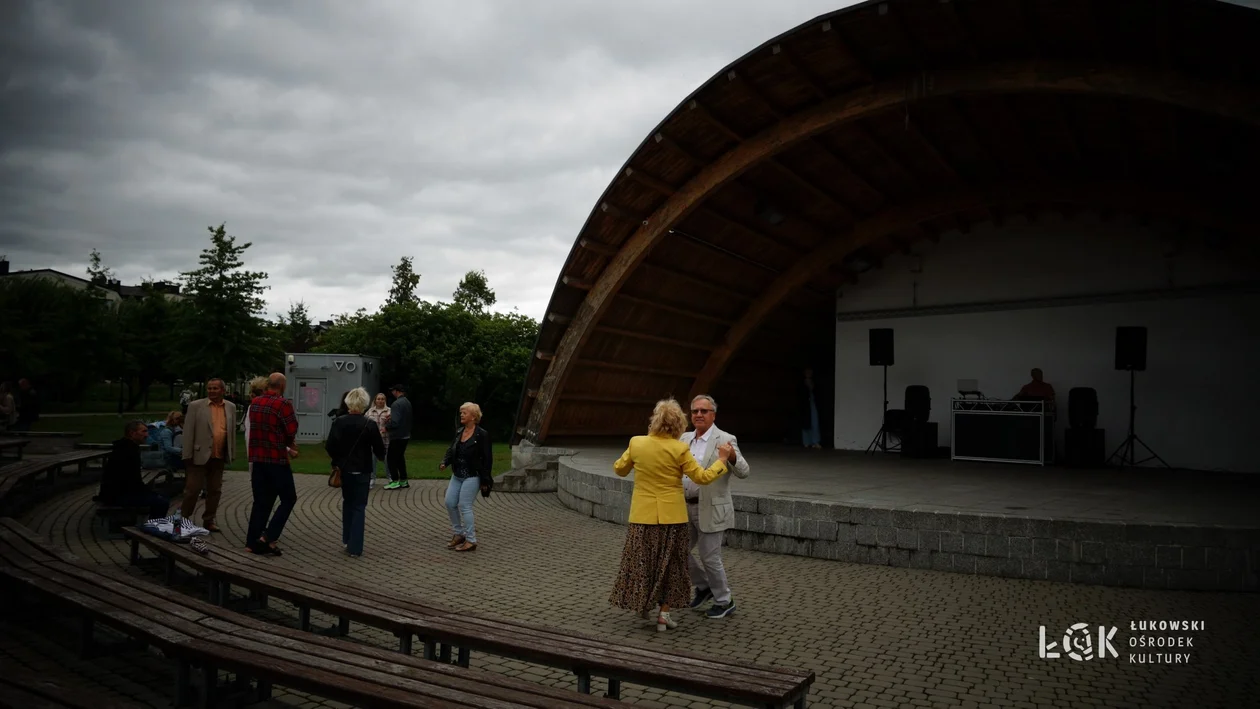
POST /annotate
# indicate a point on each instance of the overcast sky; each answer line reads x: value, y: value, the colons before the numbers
x: 339, y: 136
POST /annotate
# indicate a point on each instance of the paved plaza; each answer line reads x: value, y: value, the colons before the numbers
x: 876, y: 636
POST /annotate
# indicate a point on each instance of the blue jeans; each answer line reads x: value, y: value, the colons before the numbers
x: 270, y: 481
x: 354, y: 497
x: 459, y: 503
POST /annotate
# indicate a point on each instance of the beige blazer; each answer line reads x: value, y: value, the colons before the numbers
x: 199, y: 437
x: 717, y: 509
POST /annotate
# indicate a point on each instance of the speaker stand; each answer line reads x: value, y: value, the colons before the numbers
x: 1125, y: 456
x: 880, y: 441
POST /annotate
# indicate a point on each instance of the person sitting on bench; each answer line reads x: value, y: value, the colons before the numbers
x: 121, y: 482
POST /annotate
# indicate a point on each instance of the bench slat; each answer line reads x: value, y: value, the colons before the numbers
x: 20, y: 687
x: 13, y: 527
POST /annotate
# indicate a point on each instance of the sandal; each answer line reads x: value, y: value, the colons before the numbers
x: 467, y: 546
x: 455, y: 541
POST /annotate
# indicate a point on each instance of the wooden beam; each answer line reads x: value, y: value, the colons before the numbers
x: 651, y: 182
x: 597, y: 247
x: 842, y: 45
x: 711, y: 211
x: 865, y: 134
x: 649, y: 337
x: 1136, y: 82
x: 788, y: 57
x: 947, y: 204
x: 817, y: 192
x: 579, y: 283
x: 637, y: 368
x: 930, y: 148
x: 725, y: 251
x: 674, y: 145
x: 675, y: 310
x: 698, y: 279
x: 621, y: 212
x: 559, y: 319
x: 544, y: 356
x: 844, y: 168
x: 714, y: 121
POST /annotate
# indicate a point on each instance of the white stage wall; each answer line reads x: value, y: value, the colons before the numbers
x: 1197, y: 401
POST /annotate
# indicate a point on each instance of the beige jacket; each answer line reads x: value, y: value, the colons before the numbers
x: 199, y: 437
x: 717, y: 509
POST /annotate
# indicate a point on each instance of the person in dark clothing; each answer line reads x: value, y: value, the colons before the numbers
x: 121, y: 482
x: 807, y: 405
x: 471, y: 459
x: 399, y: 429
x: 28, y: 406
x: 353, y: 441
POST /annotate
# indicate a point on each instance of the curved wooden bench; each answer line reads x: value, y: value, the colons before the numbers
x: 210, y: 638
x: 440, y: 629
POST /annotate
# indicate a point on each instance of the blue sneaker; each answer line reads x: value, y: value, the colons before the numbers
x: 702, y: 595
x: 720, y: 611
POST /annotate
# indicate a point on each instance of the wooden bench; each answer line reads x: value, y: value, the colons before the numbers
x: 210, y: 638
x: 441, y: 629
x: 12, y: 447
x: 25, y: 472
x: 51, y: 688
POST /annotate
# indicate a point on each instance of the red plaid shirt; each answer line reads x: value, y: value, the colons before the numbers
x: 272, y: 429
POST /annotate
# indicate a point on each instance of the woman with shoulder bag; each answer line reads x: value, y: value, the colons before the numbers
x: 353, y: 441
x: 471, y: 459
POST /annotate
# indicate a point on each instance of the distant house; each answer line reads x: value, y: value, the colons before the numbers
x: 113, y: 291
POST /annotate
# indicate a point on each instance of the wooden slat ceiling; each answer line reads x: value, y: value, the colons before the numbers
x: 713, y: 260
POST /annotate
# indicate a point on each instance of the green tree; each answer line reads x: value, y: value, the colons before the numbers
x: 474, y: 293
x: 222, y: 330
x: 61, y: 338
x: 98, y: 273
x: 403, y: 290
x: 146, y: 325
x: 295, y: 329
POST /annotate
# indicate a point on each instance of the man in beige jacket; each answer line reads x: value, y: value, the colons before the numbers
x: 209, y: 444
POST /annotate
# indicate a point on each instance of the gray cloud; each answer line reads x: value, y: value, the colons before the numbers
x: 338, y: 137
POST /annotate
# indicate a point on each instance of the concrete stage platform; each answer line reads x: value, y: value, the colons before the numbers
x: 1143, y: 527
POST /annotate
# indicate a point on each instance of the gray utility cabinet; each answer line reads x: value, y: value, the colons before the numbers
x: 316, y: 383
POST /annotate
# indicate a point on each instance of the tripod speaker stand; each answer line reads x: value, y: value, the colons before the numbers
x: 1131, y: 356
x: 880, y: 441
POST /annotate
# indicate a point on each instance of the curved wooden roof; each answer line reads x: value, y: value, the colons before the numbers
x: 712, y: 261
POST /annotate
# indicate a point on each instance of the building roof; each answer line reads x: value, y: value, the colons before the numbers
x: 713, y: 259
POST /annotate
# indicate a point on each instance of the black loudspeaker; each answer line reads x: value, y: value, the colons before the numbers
x: 1082, y: 407
x: 881, y: 347
x: 1131, y: 349
x: 918, y: 403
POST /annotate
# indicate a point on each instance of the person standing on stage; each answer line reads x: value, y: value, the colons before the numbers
x: 710, y: 509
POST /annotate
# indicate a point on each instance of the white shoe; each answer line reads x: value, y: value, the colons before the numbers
x: 663, y: 621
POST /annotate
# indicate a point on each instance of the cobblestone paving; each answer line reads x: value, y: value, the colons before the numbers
x: 875, y: 636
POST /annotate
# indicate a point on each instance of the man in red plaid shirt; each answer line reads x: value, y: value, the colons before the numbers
x: 272, y: 442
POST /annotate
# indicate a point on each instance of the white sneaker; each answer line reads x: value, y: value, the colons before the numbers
x: 663, y: 621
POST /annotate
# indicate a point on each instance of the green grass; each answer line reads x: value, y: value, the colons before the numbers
x: 103, y: 398
x: 423, y: 457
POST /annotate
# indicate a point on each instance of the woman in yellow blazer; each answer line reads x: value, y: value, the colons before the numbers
x: 654, y: 560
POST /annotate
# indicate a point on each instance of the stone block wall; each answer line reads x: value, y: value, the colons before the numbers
x: 1101, y: 553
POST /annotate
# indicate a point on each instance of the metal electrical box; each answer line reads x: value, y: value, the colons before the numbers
x: 317, y: 382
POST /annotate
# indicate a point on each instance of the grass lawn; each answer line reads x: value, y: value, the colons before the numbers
x: 423, y: 457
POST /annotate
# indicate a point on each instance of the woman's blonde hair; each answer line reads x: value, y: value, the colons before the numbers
x: 357, y: 400
x: 667, y: 419
x: 170, y: 418
x: 257, y: 386
x: 473, y: 409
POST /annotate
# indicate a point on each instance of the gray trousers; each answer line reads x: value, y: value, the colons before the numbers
x: 706, y: 571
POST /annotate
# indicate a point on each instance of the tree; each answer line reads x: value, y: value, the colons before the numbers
x: 403, y: 291
x: 98, y: 274
x: 222, y: 329
x: 474, y: 293
x: 146, y: 325
x: 296, y: 331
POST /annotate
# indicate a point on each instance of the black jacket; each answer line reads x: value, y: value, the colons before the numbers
x: 121, y: 476
x: 352, y: 441
x: 481, y: 455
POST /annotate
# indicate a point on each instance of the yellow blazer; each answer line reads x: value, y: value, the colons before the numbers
x: 659, y: 464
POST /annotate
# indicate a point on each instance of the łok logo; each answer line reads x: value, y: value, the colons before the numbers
x: 1078, y: 643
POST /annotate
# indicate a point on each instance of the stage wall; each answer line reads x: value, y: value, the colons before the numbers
x: 1196, y: 407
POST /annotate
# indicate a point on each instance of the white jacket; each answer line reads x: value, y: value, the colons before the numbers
x: 717, y: 509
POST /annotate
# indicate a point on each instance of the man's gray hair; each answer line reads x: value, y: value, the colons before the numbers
x: 132, y: 425
x: 357, y: 400
x: 711, y: 400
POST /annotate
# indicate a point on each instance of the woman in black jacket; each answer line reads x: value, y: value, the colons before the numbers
x: 471, y: 459
x: 352, y: 441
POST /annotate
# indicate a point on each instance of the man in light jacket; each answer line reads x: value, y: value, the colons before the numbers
x: 710, y: 509
x: 209, y: 444
x: 399, y: 429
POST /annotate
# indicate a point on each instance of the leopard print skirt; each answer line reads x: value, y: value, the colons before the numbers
x: 653, y: 568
